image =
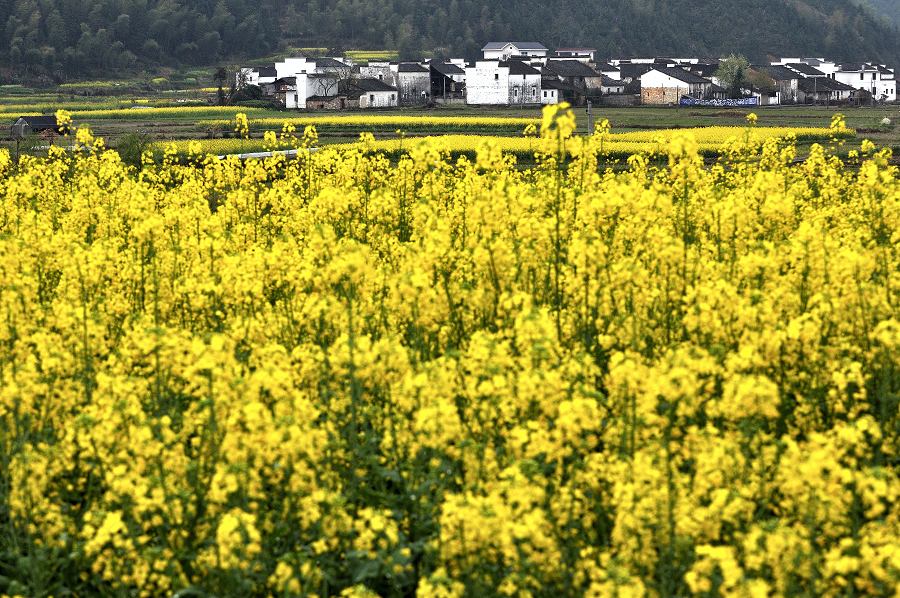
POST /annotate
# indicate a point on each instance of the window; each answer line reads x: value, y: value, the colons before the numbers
x: 873, y: 76
x: 496, y: 76
x: 515, y: 92
x: 545, y: 94
x: 862, y: 76
x: 371, y: 98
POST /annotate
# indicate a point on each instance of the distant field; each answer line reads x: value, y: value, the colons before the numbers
x: 185, y: 115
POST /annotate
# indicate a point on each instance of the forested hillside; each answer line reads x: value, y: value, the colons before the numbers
x: 89, y: 37
x: 887, y: 8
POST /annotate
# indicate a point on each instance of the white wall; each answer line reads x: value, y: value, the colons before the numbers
x: 487, y: 83
x: 549, y: 96
x: 293, y: 66
x: 378, y: 99
x: 297, y: 99
x: 524, y: 89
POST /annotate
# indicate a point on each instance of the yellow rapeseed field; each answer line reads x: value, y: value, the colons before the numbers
x: 341, y: 374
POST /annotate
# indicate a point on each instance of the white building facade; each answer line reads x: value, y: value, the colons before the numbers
x: 506, y: 50
x: 497, y: 83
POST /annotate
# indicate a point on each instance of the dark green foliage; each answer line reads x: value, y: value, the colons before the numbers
x: 89, y: 37
x: 132, y: 146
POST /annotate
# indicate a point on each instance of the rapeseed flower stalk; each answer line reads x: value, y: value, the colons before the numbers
x: 357, y: 373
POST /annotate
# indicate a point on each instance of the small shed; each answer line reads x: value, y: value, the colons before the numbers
x: 44, y: 125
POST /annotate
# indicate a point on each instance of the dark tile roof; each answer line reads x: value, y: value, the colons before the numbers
x: 329, y: 63
x: 610, y: 82
x: 554, y: 83
x: 411, y: 67
x: 371, y: 85
x: 806, y: 70
x: 778, y: 73
x: 680, y: 74
x: 267, y: 71
x: 702, y: 69
x: 605, y: 66
x: 819, y: 84
x: 853, y: 67
x: 447, y: 68
x: 40, y: 123
x: 517, y: 67
x: 576, y: 50
x: 634, y: 70
x: 570, y: 68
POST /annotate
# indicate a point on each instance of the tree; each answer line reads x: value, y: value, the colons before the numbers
x: 732, y: 74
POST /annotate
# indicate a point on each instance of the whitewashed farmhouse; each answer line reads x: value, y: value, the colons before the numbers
x: 507, y: 50
x: 372, y: 93
x: 503, y: 83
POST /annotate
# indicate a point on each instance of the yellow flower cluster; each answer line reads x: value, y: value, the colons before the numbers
x: 339, y: 374
x: 709, y: 140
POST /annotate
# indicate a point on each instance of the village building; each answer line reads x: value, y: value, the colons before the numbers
x: 663, y: 85
x: 503, y: 51
x: 784, y: 85
x: 551, y: 91
x: 874, y: 79
x: 448, y: 81
x: 372, y: 93
x: 608, y: 70
x: 45, y: 126
x: 610, y: 86
x: 413, y: 83
x: 381, y: 70
x: 503, y: 83
x: 256, y: 76
x: 824, y: 90
x: 290, y: 92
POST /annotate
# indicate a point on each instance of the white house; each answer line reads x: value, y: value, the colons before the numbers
x: 258, y: 75
x: 499, y: 83
x: 612, y: 86
x: 507, y: 50
x: 666, y: 85
x: 373, y: 93
x: 291, y: 92
x: 875, y: 79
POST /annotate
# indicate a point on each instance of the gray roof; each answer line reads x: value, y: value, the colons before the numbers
x: 411, y: 67
x: 610, y: 82
x: 329, y: 63
x: 368, y: 85
x: 818, y: 84
x: 517, y: 67
x: 807, y: 70
x: 680, y: 74
x: 519, y: 45
x: 40, y: 123
x: 854, y: 67
x: 570, y: 68
x: 447, y: 68
x: 778, y: 73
